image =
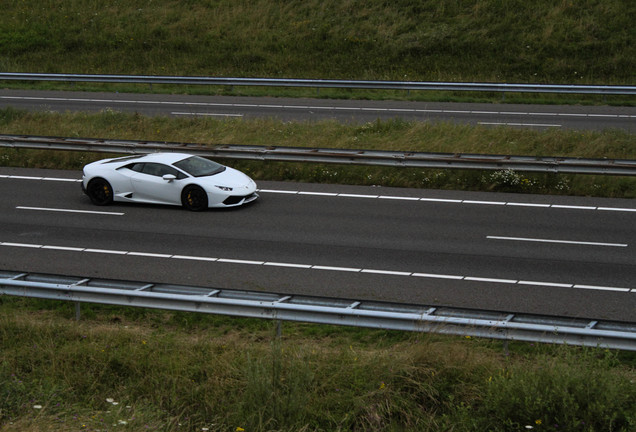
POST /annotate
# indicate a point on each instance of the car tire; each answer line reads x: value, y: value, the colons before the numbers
x: 194, y: 198
x: 100, y: 192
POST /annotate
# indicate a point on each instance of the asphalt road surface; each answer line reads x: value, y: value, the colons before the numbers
x: 566, y: 256
x: 522, y: 116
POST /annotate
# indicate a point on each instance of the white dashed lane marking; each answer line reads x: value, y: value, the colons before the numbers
x: 383, y: 272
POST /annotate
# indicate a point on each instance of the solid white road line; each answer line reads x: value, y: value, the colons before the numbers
x: 527, y: 204
x: 106, y: 251
x: 342, y: 269
x: 238, y: 261
x: 616, y: 209
x: 300, y: 266
x: 17, y: 177
x: 386, y: 272
x: 70, y: 210
x: 484, y: 202
x: 446, y: 200
x: 602, y: 288
x: 437, y: 276
x: 290, y: 265
x: 205, y: 114
x: 584, y: 243
x: 572, y: 207
x: 356, y: 196
x: 551, y: 284
x: 150, y: 255
x: 194, y: 258
x: 63, y: 248
x: 493, y: 280
x: 26, y: 245
x: 519, y: 124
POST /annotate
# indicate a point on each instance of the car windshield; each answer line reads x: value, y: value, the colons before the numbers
x: 197, y: 166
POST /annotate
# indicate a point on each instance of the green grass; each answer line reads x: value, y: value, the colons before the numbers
x: 394, y: 135
x: 543, y: 41
x: 178, y: 371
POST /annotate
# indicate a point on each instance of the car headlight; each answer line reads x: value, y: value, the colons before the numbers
x: 225, y: 188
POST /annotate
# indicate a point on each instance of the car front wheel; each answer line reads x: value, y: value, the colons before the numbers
x: 194, y: 198
x: 100, y: 192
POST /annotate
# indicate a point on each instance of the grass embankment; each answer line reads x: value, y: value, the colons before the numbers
x: 381, y: 135
x: 134, y: 369
x: 480, y: 40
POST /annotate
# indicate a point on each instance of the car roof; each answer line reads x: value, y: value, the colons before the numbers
x: 165, y: 158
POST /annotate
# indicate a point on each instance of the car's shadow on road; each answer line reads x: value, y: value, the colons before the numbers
x: 122, y: 206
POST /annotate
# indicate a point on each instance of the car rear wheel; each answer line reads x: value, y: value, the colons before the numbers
x: 100, y: 192
x: 194, y: 198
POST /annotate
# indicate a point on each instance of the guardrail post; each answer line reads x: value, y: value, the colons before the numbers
x: 279, y: 329
x: 77, y: 311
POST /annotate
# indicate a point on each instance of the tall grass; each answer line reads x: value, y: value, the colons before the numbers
x: 130, y: 370
x: 587, y: 41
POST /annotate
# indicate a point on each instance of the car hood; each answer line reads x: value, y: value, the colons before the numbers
x: 230, y: 177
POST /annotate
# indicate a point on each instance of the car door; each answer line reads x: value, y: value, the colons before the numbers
x: 150, y: 186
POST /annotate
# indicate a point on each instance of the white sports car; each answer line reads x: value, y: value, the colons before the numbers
x: 194, y: 182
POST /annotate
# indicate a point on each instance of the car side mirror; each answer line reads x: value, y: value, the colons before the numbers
x: 169, y: 177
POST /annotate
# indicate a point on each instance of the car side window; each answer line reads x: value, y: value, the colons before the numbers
x: 152, y: 169
x: 161, y: 170
x: 138, y: 167
x: 155, y: 169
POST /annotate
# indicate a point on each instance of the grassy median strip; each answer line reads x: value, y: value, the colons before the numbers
x: 395, y: 135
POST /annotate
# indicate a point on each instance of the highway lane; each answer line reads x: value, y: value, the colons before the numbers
x: 539, y: 254
x: 286, y: 109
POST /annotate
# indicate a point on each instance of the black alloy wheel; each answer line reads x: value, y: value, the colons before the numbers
x: 194, y: 198
x: 100, y: 192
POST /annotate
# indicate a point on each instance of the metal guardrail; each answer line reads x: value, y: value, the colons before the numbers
x: 338, y: 156
x: 326, y: 83
x: 379, y: 315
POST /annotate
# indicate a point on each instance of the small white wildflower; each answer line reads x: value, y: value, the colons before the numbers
x: 122, y: 422
x: 37, y: 406
x: 115, y: 403
x: 110, y: 400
